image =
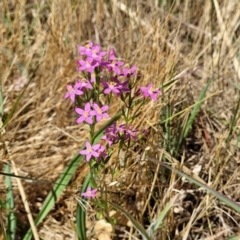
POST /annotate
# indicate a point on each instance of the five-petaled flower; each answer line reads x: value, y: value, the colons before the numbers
x: 72, y: 91
x: 90, y: 193
x: 113, y: 64
x: 100, y: 112
x: 86, y: 114
x: 90, y: 151
x: 129, y: 72
x: 87, y: 65
x: 84, y: 50
x: 95, y: 54
x: 85, y: 84
x: 112, y: 86
x: 149, y: 92
x: 123, y: 87
x: 102, y: 153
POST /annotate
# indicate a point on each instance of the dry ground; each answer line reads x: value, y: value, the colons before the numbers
x: 189, y: 41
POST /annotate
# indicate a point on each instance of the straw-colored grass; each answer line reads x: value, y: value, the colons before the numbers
x: 189, y: 41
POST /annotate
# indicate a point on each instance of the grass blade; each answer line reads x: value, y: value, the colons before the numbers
x: 233, y: 123
x: 81, y: 214
x: 218, y: 195
x: 10, y: 232
x: 195, y: 110
x: 11, y: 223
x: 13, y: 109
x: 234, y: 84
x: 234, y: 238
x: 136, y: 224
x: 155, y: 225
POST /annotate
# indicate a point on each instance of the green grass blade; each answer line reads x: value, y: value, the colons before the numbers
x: 234, y: 84
x: 169, y: 83
x: 236, y: 145
x: 234, y: 238
x: 10, y: 232
x: 11, y: 223
x: 81, y: 214
x: 233, y: 123
x: 218, y: 195
x: 13, y: 109
x: 159, y: 221
x: 1, y: 102
x: 8, y: 174
x: 191, y: 106
x: 195, y: 110
x: 136, y: 224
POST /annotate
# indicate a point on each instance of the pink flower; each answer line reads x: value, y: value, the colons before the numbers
x: 114, y: 65
x: 84, y: 50
x: 85, y: 84
x: 102, y: 153
x: 112, y: 86
x: 100, y: 112
x: 86, y: 114
x: 123, y: 87
x: 95, y: 54
x: 111, y: 134
x: 87, y: 65
x: 129, y: 72
x: 90, y: 193
x: 114, y: 133
x: 90, y: 151
x: 72, y: 91
x: 112, y: 54
x: 127, y: 131
x: 149, y: 92
x: 130, y: 133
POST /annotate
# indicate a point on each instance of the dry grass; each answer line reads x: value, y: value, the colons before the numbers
x: 191, y: 41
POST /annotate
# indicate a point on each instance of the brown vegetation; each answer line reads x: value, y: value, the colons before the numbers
x: 189, y: 41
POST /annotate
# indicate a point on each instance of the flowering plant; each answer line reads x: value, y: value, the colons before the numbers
x: 105, y: 77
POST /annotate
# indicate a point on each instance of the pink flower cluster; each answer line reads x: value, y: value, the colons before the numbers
x: 114, y: 133
x: 105, y: 75
x: 99, y: 62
